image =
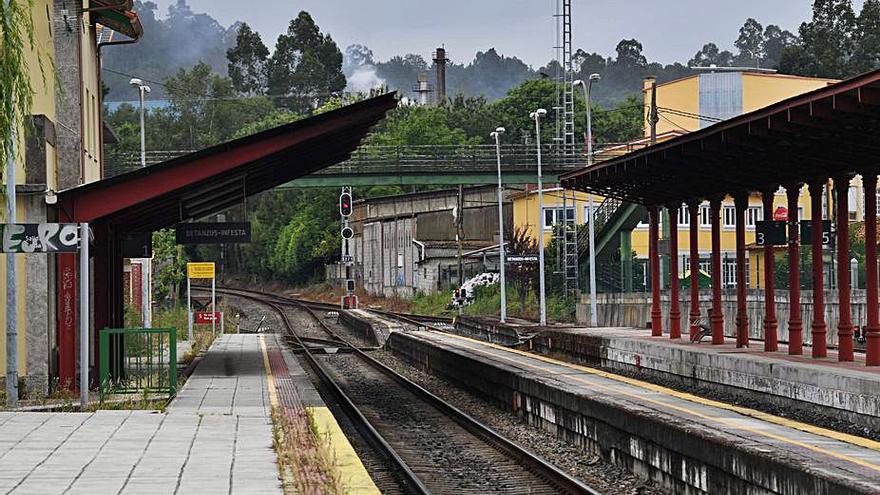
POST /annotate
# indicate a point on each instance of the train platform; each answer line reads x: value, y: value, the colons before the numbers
x: 683, y: 441
x: 848, y: 390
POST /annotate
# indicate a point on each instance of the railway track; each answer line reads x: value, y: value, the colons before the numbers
x: 428, y: 444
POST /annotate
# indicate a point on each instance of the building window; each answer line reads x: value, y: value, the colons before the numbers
x: 684, y: 216
x: 705, y: 216
x: 754, y: 214
x: 553, y: 216
x: 728, y: 216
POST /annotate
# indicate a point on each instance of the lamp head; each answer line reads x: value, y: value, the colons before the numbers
x: 500, y: 130
x: 145, y: 88
x: 136, y: 82
x: 578, y: 82
x: 595, y: 77
x: 538, y: 114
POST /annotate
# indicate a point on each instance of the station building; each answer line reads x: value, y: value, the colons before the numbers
x: 63, y: 148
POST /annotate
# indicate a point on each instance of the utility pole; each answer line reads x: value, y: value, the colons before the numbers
x: 537, y: 115
x: 459, y: 233
x: 654, y: 119
x: 501, y: 282
x: 11, y: 292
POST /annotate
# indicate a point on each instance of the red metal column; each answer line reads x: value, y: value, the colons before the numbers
x: 654, y: 262
x: 872, y: 356
x: 674, y: 309
x: 717, y: 311
x: 694, y: 208
x: 844, y: 326
x: 741, y: 202
x: 770, y: 337
x: 818, y: 327
x: 795, y: 324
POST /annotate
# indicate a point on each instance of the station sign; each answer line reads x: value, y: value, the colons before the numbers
x: 200, y: 270
x: 771, y: 233
x: 214, y: 233
x: 40, y: 237
x: 206, y: 317
x: 522, y: 258
x: 827, y: 232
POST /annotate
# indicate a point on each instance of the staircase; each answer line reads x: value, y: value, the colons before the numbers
x: 611, y: 217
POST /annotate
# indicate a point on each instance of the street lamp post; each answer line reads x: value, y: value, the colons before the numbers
x: 594, y: 319
x: 146, y: 267
x: 537, y: 115
x: 497, y: 135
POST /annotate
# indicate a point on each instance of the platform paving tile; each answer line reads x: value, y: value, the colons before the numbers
x: 216, y: 437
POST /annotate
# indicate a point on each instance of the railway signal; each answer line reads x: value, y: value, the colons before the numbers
x: 345, y: 204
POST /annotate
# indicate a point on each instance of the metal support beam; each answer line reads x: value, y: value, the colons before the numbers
x: 818, y: 328
x: 844, y: 326
x: 717, y: 308
x: 626, y: 261
x: 741, y: 202
x: 674, y: 310
x: 694, y: 209
x: 771, y: 339
x: 654, y: 263
x: 869, y: 182
x: 795, y: 324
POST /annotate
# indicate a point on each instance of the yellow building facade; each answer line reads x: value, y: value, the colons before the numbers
x: 61, y: 148
x: 687, y: 105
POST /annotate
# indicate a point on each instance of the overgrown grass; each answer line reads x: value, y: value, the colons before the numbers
x: 305, y: 461
x: 436, y: 304
x: 487, y: 301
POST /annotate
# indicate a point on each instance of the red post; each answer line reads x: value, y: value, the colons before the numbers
x: 741, y: 202
x: 818, y: 327
x: 844, y: 326
x: 674, y: 309
x: 795, y: 324
x: 654, y: 262
x: 771, y: 339
x: 694, y: 208
x: 872, y: 356
x: 717, y: 311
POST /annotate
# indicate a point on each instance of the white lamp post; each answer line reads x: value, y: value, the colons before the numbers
x: 497, y: 135
x: 537, y: 115
x: 594, y: 319
x: 146, y: 267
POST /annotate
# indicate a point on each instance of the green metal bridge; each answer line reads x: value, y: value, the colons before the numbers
x: 415, y: 165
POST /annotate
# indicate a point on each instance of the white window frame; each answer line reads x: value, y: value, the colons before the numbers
x: 705, y: 215
x: 728, y: 217
x: 556, y: 215
x: 754, y: 214
x: 684, y: 216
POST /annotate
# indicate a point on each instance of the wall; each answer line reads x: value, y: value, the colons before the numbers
x: 634, y: 310
x: 681, y: 94
x: 761, y: 90
x: 525, y: 208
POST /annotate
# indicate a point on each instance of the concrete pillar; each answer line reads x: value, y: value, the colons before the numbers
x: 771, y: 339
x: 717, y: 308
x: 654, y: 263
x: 844, y: 326
x: 694, y: 209
x: 872, y: 356
x: 818, y: 327
x: 674, y: 310
x: 741, y: 202
x: 795, y: 324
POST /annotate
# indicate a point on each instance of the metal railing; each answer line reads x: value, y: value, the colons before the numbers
x: 135, y: 360
x: 601, y: 216
x: 377, y: 159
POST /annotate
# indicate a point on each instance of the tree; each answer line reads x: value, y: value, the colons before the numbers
x: 711, y: 55
x: 750, y: 44
x: 629, y: 54
x: 169, y: 260
x: 306, y: 65
x: 776, y: 40
x: 415, y: 125
x: 827, y: 42
x: 867, y: 51
x: 247, y: 62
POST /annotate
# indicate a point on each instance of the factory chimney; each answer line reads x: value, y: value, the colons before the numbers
x: 422, y: 88
x: 440, y: 66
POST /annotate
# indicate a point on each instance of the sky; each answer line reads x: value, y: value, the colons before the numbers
x: 670, y: 30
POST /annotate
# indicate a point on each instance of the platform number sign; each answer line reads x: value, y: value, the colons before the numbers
x: 827, y: 232
x: 771, y: 233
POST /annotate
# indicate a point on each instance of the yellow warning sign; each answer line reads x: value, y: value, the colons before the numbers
x: 200, y: 270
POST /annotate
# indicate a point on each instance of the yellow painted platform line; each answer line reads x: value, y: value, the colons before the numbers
x: 355, y: 478
x: 843, y: 437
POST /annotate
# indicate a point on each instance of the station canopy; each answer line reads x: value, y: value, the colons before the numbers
x: 216, y: 178
x: 826, y: 133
